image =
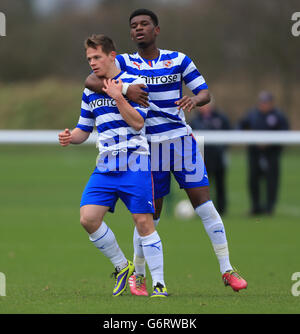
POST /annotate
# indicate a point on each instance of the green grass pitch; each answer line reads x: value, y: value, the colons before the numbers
x: 51, y: 267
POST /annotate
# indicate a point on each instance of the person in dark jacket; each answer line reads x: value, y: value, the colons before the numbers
x: 263, y: 160
x: 208, y: 117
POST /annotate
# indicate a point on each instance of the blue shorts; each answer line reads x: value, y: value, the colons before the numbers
x: 134, y: 188
x: 182, y: 157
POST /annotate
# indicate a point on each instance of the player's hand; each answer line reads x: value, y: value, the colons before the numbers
x: 65, y: 137
x: 136, y: 94
x: 113, y: 88
x: 186, y: 103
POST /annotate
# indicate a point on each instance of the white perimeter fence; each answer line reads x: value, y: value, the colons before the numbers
x: 230, y: 137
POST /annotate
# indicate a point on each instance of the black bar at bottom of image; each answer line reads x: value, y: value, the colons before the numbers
x: 137, y: 322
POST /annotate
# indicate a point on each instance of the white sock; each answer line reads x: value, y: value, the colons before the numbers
x: 215, y: 229
x: 138, y: 256
x: 153, y: 252
x: 104, y: 239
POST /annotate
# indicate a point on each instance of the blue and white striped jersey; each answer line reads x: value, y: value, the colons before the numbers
x: 164, y: 77
x: 114, y: 134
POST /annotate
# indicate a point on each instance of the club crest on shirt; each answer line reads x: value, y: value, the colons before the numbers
x: 168, y: 63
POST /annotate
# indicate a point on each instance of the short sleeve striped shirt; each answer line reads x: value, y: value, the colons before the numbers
x: 114, y: 134
x: 164, y: 78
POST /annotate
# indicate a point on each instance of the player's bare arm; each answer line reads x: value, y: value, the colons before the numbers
x: 94, y: 83
x: 130, y: 115
x: 77, y: 136
x: 187, y: 103
x: 134, y: 93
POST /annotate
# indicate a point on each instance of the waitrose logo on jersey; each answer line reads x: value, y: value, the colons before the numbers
x: 103, y: 103
x: 161, y: 79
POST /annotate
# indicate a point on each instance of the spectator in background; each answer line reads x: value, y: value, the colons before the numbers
x: 263, y: 160
x: 208, y: 117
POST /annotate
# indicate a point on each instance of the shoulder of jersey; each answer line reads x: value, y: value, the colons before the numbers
x: 87, y: 91
x: 126, y: 77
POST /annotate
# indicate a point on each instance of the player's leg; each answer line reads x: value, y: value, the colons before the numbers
x: 91, y: 217
x: 161, y: 184
x: 212, y: 223
x: 138, y: 197
x: 215, y: 229
x: 161, y: 180
x: 158, y: 207
x: 161, y: 176
x: 95, y: 202
x: 138, y: 257
x: 196, y: 184
x: 103, y: 238
x: 193, y: 179
x: 153, y: 251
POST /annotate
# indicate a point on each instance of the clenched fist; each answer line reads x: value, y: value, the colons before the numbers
x: 65, y: 137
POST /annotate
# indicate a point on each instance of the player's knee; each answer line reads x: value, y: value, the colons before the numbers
x: 140, y: 220
x: 87, y: 220
x: 144, y: 225
x: 198, y: 196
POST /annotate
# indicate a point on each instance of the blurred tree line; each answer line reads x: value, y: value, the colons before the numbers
x: 239, y: 46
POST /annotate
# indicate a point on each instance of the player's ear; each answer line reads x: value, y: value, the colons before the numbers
x: 113, y: 55
x: 157, y: 30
